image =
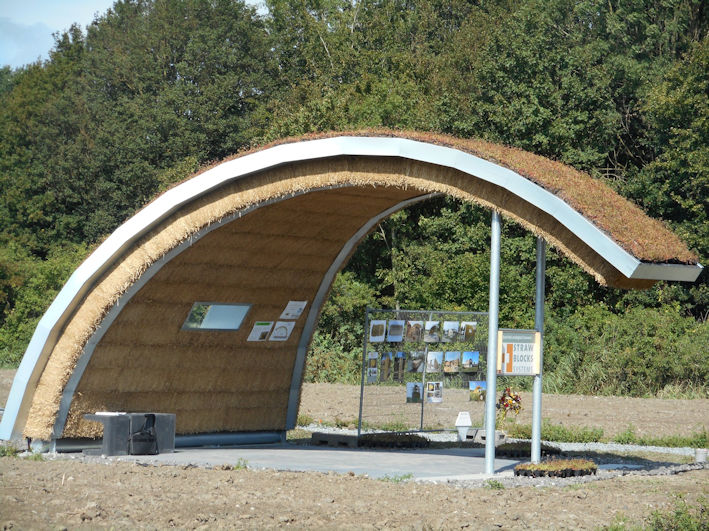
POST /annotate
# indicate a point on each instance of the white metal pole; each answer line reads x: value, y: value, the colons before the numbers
x: 493, y: 310
x: 539, y: 326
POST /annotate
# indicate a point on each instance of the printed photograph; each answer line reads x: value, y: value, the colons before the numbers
x: 372, y: 367
x: 477, y: 390
x: 414, y: 331
x: 416, y: 361
x: 434, y: 392
x: 399, y: 366
x: 450, y: 331
x: 451, y: 362
x: 385, y: 366
x: 434, y: 362
x: 377, y: 330
x: 471, y: 361
x: 432, y: 332
x: 414, y: 392
x: 467, y: 331
x: 396, y: 331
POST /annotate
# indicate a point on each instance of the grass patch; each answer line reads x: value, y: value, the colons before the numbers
x: 304, y: 420
x: 35, y: 457
x: 493, y: 484
x: 681, y: 516
x: 555, y: 432
x: 696, y: 440
x: 8, y: 451
x: 397, y: 478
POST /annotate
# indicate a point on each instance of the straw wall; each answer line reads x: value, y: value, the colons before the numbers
x: 216, y: 381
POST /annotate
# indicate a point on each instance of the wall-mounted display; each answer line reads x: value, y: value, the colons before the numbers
x: 450, y: 331
x: 416, y: 361
x: 395, y: 331
x: 282, y: 330
x: 432, y: 332
x: 385, y: 366
x: 294, y: 309
x: 414, y: 331
x: 434, y: 362
x: 451, y: 362
x: 372, y: 367
x: 478, y: 388
x: 260, y: 331
x: 213, y: 316
x: 377, y: 330
x: 434, y: 392
x: 471, y: 361
x: 414, y: 392
x: 467, y: 331
x: 399, y: 366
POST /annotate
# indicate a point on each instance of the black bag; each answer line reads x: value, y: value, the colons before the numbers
x: 145, y: 440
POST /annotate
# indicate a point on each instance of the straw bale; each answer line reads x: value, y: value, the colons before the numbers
x: 244, y: 261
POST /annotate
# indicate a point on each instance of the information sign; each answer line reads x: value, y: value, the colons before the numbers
x: 518, y: 352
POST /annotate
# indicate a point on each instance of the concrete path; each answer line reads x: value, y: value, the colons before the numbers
x: 428, y: 465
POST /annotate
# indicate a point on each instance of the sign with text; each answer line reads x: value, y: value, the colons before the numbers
x: 518, y: 352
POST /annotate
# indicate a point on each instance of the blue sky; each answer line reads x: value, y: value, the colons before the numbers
x: 26, y: 26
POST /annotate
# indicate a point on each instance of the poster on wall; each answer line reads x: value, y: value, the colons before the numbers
x: 294, y: 309
x: 467, y: 331
x: 260, y: 331
x: 282, y: 330
x: 432, y: 332
x: 414, y: 392
x: 399, y: 366
x: 450, y: 331
x: 471, y: 361
x: 518, y: 352
x: 385, y: 366
x: 434, y: 362
x: 396, y: 331
x: 414, y: 331
x: 451, y: 362
x: 372, y: 367
x: 434, y: 392
x: 377, y: 330
x: 416, y: 361
x: 478, y: 389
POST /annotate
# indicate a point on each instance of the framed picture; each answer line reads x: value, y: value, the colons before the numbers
x: 399, y: 366
x: 414, y: 392
x: 385, y: 366
x: 434, y: 362
x: 434, y: 392
x: 467, y: 331
x: 478, y: 389
x: 451, y: 362
x: 416, y: 361
x: 396, y: 331
x: 377, y: 330
x: 414, y: 331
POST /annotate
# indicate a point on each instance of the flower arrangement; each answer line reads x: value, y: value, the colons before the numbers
x: 509, y: 401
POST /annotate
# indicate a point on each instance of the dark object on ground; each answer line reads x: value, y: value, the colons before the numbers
x: 561, y: 468
x: 393, y: 440
x: 524, y: 449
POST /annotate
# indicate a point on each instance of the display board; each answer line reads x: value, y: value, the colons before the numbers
x: 518, y: 352
x: 412, y: 358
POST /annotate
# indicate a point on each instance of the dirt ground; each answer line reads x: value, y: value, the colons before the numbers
x: 385, y: 404
x: 69, y: 493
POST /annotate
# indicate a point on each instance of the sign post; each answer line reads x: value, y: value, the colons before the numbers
x: 518, y: 352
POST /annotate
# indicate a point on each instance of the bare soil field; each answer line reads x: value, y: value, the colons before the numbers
x: 649, y: 416
x: 72, y: 493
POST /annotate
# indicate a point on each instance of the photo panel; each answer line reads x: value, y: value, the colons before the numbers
x: 468, y: 330
x: 372, y: 367
x: 414, y: 392
x: 432, y: 332
x: 434, y: 361
x: 399, y: 366
x: 385, y: 366
x: 377, y: 330
x: 450, y: 331
x: 414, y: 331
x: 395, y: 333
x: 471, y: 361
x: 451, y: 362
x: 434, y: 392
x: 478, y: 389
x: 416, y: 361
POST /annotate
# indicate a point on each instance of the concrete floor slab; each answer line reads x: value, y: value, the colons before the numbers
x: 422, y: 464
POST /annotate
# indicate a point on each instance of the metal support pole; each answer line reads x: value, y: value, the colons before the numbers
x: 494, y: 304
x: 539, y: 326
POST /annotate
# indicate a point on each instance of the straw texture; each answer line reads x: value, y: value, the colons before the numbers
x: 216, y: 381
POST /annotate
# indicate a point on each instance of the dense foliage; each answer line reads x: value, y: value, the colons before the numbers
x: 155, y: 88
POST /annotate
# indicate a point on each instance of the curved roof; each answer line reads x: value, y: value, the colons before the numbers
x: 358, y: 180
